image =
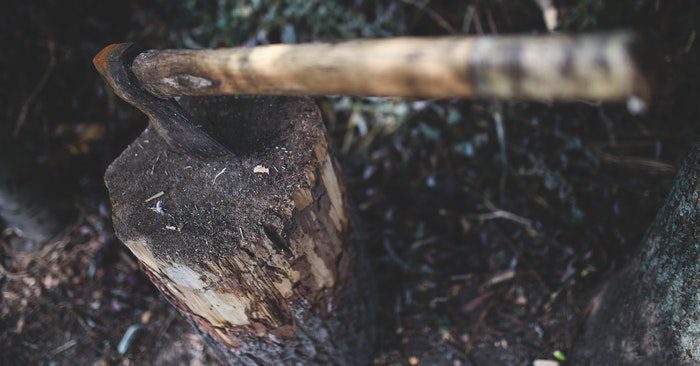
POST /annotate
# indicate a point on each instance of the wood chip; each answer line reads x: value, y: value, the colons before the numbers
x: 259, y: 169
x: 64, y: 347
x: 476, y: 302
x: 154, y: 196
x: 545, y: 363
x: 500, y: 277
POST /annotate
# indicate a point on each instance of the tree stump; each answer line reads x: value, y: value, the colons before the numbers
x: 256, y: 247
x: 649, y: 314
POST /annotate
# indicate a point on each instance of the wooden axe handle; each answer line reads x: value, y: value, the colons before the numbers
x: 550, y: 67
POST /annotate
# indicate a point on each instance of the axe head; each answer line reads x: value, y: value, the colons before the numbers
x: 174, y: 124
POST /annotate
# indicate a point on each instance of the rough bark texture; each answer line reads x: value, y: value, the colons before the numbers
x: 650, y: 313
x: 254, y: 247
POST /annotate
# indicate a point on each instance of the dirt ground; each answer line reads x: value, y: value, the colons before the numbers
x: 490, y: 224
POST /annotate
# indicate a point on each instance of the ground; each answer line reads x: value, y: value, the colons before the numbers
x: 490, y: 224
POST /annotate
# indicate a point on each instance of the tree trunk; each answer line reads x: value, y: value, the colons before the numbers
x: 255, y: 248
x: 650, y: 313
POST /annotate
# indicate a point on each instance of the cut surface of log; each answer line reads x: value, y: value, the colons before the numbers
x: 254, y: 247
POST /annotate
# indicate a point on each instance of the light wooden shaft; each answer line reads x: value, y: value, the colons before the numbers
x: 549, y: 67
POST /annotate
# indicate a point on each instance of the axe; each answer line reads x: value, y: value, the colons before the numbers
x: 596, y: 67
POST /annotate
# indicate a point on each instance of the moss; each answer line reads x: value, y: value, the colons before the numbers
x: 229, y: 22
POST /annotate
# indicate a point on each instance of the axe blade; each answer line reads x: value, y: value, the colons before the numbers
x: 166, y: 116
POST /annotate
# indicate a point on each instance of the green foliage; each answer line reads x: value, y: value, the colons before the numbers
x: 590, y: 15
x: 559, y: 355
x: 585, y: 15
x: 228, y: 22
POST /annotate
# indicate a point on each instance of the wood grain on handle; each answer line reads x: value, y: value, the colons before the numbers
x: 550, y: 67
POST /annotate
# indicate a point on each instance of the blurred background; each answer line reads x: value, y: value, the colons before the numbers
x: 490, y: 224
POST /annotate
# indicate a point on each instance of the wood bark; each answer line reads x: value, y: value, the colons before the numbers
x: 594, y: 67
x: 650, y: 313
x: 255, y: 247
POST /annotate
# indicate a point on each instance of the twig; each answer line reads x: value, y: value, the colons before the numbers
x: 10, y: 275
x: 489, y: 18
x: 477, y: 22
x: 468, y: 18
x: 479, y: 322
x: 154, y: 163
x: 154, y: 196
x: 522, y: 259
x: 395, y: 257
x: 217, y: 175
x: 691, y: 40
x: 444, y: 24
x: 501, y: 135
x: 500, y: 214
x: 64, y: 347
x: 168, y: 321
x: 82, y: 323
x: 37, y: 89
x: 499, y: 277
x: 635, y: 162
x: 497, y: 213
x: 549, y: 13
x: 609, y: 126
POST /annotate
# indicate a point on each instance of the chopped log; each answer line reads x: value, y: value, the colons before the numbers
x: 255, y: 247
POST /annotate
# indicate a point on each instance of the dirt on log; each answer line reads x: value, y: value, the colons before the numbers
x: 650, y: 313
x: 255, y: 247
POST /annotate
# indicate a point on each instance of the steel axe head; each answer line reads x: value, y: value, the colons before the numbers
x: 175, y: 125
